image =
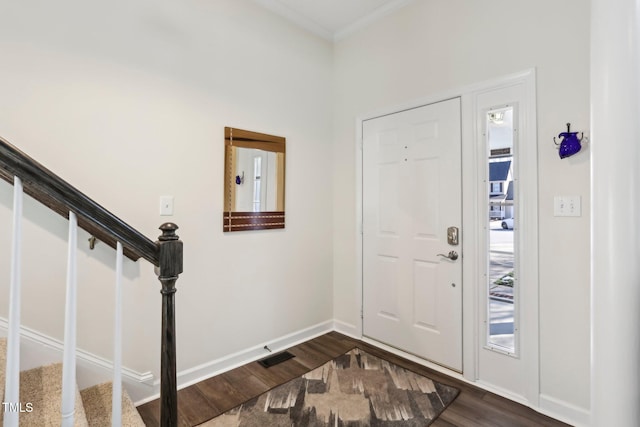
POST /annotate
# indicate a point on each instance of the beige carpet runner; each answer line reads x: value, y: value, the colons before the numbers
x: 355, y: 389
x: 42, y: 388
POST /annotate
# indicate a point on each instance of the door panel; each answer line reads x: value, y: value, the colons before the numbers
x: 425, y: 294
x: 411, y: 195
x: 427, y: 183
x: 388, y: 211
x: 386, y: 282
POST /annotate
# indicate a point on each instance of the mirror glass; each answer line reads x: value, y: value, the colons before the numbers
x: 253, y: 180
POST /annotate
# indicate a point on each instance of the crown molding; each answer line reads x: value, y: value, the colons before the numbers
x: 322, y: 31
x: 369, y: 19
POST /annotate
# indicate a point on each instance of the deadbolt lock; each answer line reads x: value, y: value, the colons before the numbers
x: 453, y: 236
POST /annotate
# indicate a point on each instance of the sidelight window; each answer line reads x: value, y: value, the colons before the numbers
x: 501, y: 277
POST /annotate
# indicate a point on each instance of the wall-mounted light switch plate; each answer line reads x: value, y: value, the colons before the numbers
x: 567, y: 206
x: 166, y: 205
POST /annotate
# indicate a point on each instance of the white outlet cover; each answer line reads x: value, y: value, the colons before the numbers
x: 567, y: 206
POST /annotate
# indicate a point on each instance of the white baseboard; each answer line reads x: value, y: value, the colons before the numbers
x: 201, y: 372
x: 347, y: 329
x: 38, y: 349
x: 547, y: 405
x: 552, y: 407
x: 564, y: 411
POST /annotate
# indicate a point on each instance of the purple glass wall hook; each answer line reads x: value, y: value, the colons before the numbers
x: 570, y: 143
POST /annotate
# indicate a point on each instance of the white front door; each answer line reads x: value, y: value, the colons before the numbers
x: 412, y: 296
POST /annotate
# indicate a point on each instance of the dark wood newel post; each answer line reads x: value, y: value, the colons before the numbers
x: 170, y: 266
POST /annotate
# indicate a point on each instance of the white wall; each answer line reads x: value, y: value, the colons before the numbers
x: 128, y: 101
x: 433, y: 46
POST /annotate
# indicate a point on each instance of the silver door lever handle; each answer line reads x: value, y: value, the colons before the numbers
x: 453, y: 255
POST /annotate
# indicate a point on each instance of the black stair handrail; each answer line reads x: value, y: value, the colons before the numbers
x: 165, y: 254
x: 61, y: 197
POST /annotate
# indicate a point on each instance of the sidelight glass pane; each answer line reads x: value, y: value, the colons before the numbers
x: 501, y: 277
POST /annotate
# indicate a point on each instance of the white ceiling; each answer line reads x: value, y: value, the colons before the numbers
x: 332, y: 19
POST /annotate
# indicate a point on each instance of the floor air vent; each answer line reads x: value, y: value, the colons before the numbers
x: 270, y: 361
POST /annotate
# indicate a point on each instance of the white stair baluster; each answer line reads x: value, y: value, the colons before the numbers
x: 12, y: 379
x: 116, y: 401
x: 69, y: 357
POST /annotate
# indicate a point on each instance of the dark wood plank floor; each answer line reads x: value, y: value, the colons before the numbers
x: 473, y: 407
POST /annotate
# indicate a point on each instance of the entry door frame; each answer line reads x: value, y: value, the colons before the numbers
x: 471, y: 250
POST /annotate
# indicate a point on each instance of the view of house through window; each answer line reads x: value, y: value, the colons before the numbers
x: 502, y: 283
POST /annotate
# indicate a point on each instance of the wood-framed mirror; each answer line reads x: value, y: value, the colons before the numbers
x: 254, y: 167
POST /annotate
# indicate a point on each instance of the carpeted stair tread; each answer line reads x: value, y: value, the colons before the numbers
x: 3, y: 365
x: 97, y: 404
x: 42, y: 387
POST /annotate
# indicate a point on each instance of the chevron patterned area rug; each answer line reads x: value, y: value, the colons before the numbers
x: 355, y: 389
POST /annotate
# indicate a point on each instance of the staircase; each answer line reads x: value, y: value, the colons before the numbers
x: 41, y: 389
x: 47, y: 392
